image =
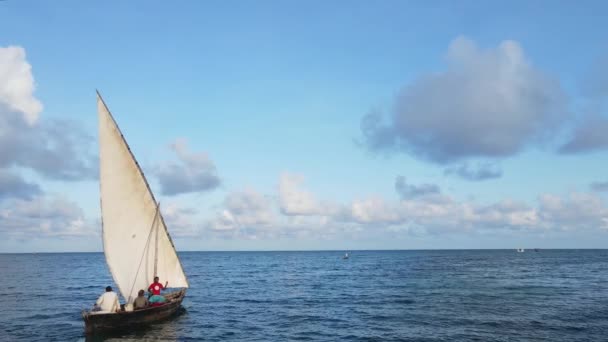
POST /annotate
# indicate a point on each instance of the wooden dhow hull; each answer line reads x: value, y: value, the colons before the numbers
x: 130, y: 319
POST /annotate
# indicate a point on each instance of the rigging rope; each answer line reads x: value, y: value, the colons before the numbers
x: 144, y: 252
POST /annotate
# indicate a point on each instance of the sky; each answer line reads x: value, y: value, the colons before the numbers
x: 286, y: 125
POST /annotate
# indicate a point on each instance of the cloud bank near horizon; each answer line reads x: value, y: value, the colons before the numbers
x: 421, y: 210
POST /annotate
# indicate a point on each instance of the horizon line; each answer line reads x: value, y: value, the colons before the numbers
x: 330, y: 250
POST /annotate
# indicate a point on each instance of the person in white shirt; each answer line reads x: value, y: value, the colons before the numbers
x: 108, y: 302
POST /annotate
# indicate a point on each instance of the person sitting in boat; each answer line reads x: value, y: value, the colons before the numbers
x: 156, y: 286
x: 141, y: 302
x: 107, y: 302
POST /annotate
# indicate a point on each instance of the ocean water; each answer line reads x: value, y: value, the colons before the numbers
x: 476, y: 295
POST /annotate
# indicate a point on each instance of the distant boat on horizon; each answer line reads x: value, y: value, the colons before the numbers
x: 520, y: 250
x: 345, y: 256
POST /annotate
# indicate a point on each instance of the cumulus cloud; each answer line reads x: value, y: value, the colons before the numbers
x: 249, y: 214
x: 483, y: 171
x: 194, y: 172
x: 44, y: 216
x: 56, y: 149
x: 51, y: 148
x: 181, y: 221
x: 375, y: 211
x: 435, y: 213
x: 438, y: 216
x: 577, y: 211
x: 488, y: 103
x: 406, y: 191
x: 505, y: 214
x: 293, y: 199
x: 245, y: 211
x: 17, y: 84
x: 590, y: 135
x: 249, y: 208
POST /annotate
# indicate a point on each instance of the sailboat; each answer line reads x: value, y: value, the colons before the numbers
x: 136, y: 243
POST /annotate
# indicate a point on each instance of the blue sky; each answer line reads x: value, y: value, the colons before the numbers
x: 324, y: 125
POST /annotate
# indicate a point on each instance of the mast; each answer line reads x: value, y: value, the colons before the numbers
x: 156, y: 242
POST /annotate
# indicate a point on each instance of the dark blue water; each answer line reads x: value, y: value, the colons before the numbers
x: 552, y: 295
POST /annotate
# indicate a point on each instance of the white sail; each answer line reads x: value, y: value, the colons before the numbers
x: 128, y: 211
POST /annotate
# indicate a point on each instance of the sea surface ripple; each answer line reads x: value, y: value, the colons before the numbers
x: 460, y: 295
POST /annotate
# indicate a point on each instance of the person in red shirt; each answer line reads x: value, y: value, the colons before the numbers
x: 156, y: 286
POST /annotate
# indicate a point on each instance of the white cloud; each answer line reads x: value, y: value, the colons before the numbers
x: 249, y: 214
x: 44, y: 216
x: 56, y: 149
x: 506, y: 214
x: 17, y: 84
x: 195, y: 172
x: 580, y: 211
x: 294, y: 200
x: 488, y: 103
x: 577, y: 211
x: 245, y: 214
x: 250, y: 208
x: 375, y: 211
x: 180, y: 221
